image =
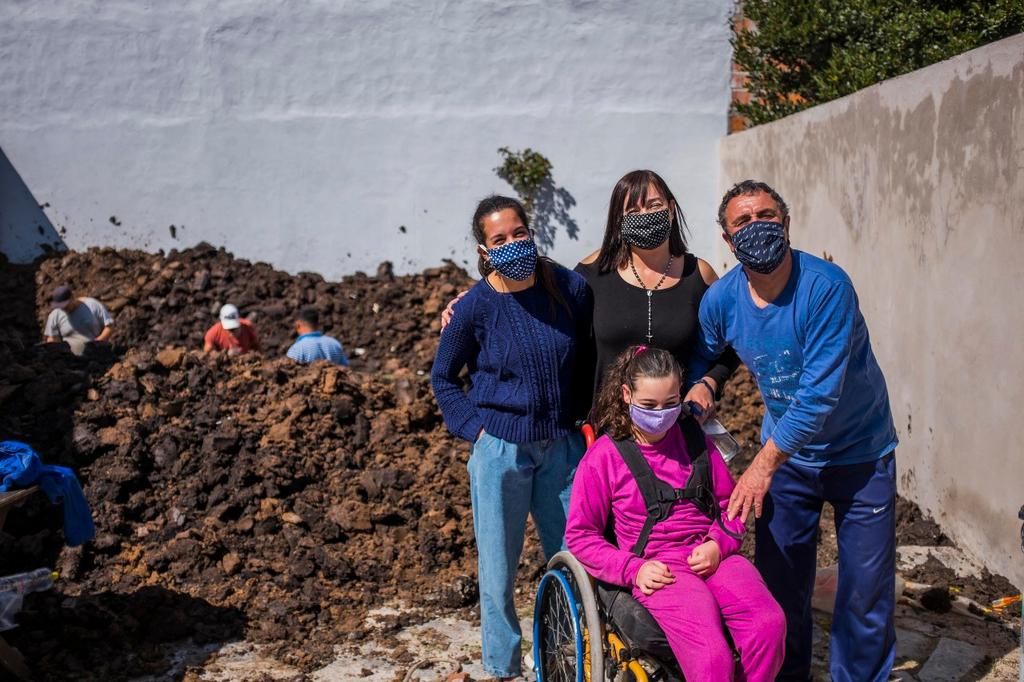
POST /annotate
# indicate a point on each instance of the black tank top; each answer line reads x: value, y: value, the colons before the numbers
x: 620, y: 314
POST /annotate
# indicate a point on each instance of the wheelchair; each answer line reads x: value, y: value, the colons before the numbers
x: 587, y: 631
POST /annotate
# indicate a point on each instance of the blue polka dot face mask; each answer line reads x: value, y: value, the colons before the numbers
x: 761, y: 245
x: 515, y: 260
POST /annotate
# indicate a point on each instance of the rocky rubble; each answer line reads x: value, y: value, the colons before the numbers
x: 383, y: 321
x: 273, y: 500
x: 241, y: 497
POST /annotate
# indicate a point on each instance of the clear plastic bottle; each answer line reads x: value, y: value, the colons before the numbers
x: 718, y: 434
x: 13, y: 589
x: 723, y: 440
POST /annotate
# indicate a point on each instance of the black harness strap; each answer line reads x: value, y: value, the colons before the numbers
x: 659, y: 497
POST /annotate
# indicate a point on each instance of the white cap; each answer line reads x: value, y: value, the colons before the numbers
x: 229, y: 317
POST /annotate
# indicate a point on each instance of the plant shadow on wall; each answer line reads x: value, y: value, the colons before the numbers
x: 547, y: 204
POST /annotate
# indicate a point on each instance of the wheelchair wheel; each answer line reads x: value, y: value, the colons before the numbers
x: 568, y: 636
x: 557, y: 639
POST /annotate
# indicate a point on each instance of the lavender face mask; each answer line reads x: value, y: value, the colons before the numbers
x: 654, y: 421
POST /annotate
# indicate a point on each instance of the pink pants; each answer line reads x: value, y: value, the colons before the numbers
x: 691, y: 611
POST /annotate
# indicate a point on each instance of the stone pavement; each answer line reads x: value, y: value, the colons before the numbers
x: 927, y: 651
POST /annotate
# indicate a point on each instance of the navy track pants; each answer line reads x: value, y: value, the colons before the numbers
x: 863, y: 645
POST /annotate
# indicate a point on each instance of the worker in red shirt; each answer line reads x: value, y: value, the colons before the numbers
x: 232, y: 333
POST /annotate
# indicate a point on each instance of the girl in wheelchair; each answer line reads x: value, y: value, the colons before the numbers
x: 683, y: 566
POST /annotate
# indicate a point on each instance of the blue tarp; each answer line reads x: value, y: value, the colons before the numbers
x: 20, y: 467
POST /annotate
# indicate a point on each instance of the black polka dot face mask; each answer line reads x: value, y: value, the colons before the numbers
x: 761, y: 245
x: 646, y: 230
x: 515, y: 260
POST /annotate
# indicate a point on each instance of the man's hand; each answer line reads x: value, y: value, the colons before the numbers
x: 703, y: 397
x: 449, y: 310
x: 754, y: 483
x: 704, y: 559
x: 107, y: 332
x: 652, y: 576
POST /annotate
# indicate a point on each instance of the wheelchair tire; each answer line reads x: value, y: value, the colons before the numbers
x: 592, y: 622
x: 557, y: 637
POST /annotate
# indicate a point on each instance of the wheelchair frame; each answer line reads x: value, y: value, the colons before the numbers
x: 566, y: 573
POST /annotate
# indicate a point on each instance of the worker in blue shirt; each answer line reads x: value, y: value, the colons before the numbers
x: 313, y: 344
x: 827, y: 435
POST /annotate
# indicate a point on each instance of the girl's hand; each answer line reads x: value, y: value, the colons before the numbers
x: 653, y: 575
x: 704, y: 559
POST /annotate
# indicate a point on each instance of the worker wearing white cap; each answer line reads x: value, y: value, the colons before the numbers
x: 232, y: 333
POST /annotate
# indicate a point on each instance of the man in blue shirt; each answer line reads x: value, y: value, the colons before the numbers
x: 312, y: 344
x: 827, y: 435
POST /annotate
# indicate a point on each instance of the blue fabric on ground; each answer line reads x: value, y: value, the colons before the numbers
x: 20, y: 467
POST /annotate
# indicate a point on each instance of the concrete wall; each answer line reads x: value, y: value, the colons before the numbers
x: 307, y: 134
x: 915, y: 187
x: 25, y: 231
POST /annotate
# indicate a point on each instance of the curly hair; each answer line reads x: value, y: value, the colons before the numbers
x: 611, y: 414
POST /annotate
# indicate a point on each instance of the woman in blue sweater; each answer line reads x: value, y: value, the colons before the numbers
x: 516, y: 333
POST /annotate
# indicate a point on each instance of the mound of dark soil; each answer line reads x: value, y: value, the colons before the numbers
x: 171, y: 300
x: 243, y: 496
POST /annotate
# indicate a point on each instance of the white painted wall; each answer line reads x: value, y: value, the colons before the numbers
x: 914, y: 186
x: 306, y: 133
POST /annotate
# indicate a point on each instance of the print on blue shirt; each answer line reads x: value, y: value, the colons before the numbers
x: 826, y: 401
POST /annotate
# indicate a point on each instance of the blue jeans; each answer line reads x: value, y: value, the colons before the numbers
x: 508, y: 481
x: 863, y: 646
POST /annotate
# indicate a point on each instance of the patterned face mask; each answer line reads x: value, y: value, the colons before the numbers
x: 761, y: 245
x: 515, y: 260
x: 646, y: 230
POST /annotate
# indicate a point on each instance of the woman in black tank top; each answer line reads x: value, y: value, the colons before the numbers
x: 647, y: 288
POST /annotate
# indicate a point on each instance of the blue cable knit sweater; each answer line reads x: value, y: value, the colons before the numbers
x: 521, y: 361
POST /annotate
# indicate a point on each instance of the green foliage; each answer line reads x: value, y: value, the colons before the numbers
x: 526, y: 171
x: 805, y: 52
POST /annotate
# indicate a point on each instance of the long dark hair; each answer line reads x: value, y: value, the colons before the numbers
x: 545, y: 266
x: 629, y: 191
x: 611, y: 413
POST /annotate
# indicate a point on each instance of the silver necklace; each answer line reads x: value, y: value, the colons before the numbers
x: 650, y: 292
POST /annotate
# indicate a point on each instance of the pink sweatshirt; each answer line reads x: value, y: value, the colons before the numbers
x: 604, y: 484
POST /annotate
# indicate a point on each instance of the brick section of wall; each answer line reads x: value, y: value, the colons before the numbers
x: 740, y: 93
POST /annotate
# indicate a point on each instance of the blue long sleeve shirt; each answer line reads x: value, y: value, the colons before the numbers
x: 809, y: 351
x: 520, y: 350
